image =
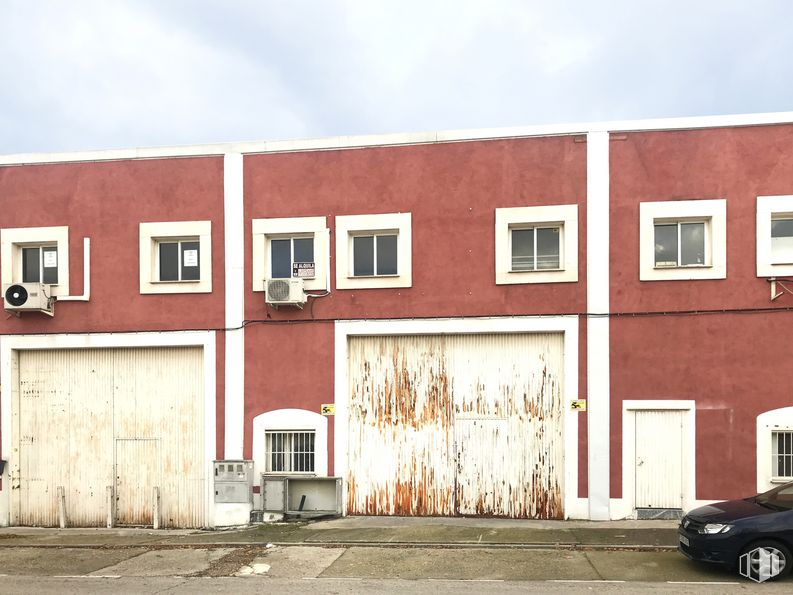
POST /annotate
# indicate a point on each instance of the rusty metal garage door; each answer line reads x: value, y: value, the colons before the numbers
x: 108, y: 426
x: 456, y: 424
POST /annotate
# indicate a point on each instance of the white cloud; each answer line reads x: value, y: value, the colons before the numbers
x: 87, y: 74
x: 114, y: 71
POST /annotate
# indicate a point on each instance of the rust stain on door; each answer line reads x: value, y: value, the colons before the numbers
x: 456, y: 424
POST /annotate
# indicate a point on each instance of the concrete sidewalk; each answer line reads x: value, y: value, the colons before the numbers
x: 371, y: 531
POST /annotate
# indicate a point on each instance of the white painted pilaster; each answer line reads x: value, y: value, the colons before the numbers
x: 598, y: 351
x: 235, y: 305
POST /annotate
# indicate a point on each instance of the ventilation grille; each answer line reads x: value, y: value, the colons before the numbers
x: 16, y: 295
x: 278, y: 290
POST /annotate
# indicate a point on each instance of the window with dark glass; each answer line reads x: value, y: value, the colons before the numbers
x: 286, y: 252
x: 40, y: 264
x: 374, y: 255
x: 536, y: 248
x: 680, y: 244
x: 782, y: 240
x: 179, y: 260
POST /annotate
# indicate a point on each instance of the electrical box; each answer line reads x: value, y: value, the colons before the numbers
x: 232, y: 492
x: 273, y: 490
x: 233, y: 481
x: 301, y: 495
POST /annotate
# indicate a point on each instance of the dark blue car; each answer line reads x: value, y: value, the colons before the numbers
x: 725, y: 531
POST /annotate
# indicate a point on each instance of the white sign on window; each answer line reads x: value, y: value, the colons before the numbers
x: 50, y: 259
x: 190, y: 258
x: 303, y: 270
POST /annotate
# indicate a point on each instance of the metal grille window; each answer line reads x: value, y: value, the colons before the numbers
x: 290, y: 452
x: 782, y: 454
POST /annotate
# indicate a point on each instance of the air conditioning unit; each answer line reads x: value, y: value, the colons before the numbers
x: 28, y: 297
x: 285, y: 292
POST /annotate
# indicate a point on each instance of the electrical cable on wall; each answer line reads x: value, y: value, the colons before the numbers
x: 637, y: 314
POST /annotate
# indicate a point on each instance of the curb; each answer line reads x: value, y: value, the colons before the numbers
x: 350, y: 544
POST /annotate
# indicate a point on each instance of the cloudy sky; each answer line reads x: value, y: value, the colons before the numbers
x: 87, y: 74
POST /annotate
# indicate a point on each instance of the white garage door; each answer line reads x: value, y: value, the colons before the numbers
x: 109, y: 422
x: 456, y: 424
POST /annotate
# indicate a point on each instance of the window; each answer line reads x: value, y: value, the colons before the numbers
x: 289, y: 452
x: 179, y: 260
x: 374, y: 255
x: 374, y: 251
x: 536, y: 248
x: 286, y: 253
x: 782, y: 454
x: 277, y: 447
x: 680, y: 244
x: 537, y: 244
x: 782, y: 240
x: 683, y: 239
x: 176, y: 257
x: 774, y: 236
x: 291, y: 247
x: 36, y: 255
x: 774, y: 447
x: 40, y: 264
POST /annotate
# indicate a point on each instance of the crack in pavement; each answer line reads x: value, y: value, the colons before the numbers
x: 592, y: 566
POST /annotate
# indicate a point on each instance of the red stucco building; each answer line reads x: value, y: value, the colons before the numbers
x: 552, y: 322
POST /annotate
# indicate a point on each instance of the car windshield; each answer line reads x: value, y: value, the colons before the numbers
x: 780, y: 497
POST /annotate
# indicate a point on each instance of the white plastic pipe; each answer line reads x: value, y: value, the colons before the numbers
x: 86, y: 276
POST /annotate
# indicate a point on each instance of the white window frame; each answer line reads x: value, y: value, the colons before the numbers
x: 290, y: 420
x: 565, y: 217
x: 12, y: 240
x: 268, y: 229
x: 775, y: 476
x: 40, y: 248
x: 375, y: 235
x: 768, y: 209
x: 178, y: 242
x: 713, y: 212
x: 678, y: 223
x: 151, y: 234
x: 776, y: 420
x: 350, y: 226
x: 535, y: 228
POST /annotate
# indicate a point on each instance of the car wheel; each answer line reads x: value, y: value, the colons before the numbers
x: 752, y: 566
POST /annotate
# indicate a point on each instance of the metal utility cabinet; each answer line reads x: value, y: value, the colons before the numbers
x: 302, y: 496
x: 233, y: 487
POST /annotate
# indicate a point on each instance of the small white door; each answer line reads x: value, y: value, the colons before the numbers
x: 137, y: 473
x: 659, y: 460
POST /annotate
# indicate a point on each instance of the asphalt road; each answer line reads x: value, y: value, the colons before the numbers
x: 300, y: 569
